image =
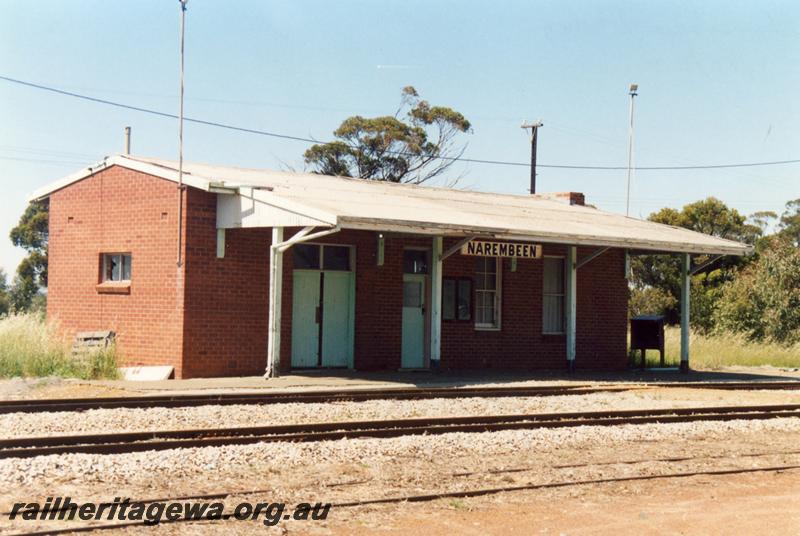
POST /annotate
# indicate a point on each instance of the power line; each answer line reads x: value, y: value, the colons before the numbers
x: 44, y: 161
x: 155, y: 112
x: 46, y: 152
x: 449, y: 158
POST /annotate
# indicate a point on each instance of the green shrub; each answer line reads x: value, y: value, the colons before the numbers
x: 763, y: 302
x: 706, y: 293
x: 30, y: 347
x: 650, y: 301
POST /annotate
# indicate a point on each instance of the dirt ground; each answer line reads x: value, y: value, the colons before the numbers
x: 750, y: 503
x: 640, y: 493
x: 54, y: 387
x: 735, y: 504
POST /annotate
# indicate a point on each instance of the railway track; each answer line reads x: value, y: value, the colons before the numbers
x: 127, y: 442
x: 298, y: 397
x: 356, y: 395
x: 731, y: 385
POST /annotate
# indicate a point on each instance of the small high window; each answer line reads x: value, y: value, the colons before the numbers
x: 336, y: 258
x: 325, y: 257
x: 415, y: 261
x: 306, y: 257
x: 117, y: 267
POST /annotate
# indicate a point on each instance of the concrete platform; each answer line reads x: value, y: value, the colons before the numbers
x: 55, y: 387
x: 345, y: 380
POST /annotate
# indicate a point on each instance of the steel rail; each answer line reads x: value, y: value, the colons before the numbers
x: 357, y: 395
x: 671, y: 459
x: 79, y: 404
x: 128, y: 442
x: 731, y: 385
x: 462, y: 494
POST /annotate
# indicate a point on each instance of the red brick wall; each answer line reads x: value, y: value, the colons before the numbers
x: 602, y: 301
x: 225, y: 323
x: 602, y: 316
x: 226, y: 318
x: 118, y: 210
x: 223, y: 331
x: 601, y: 311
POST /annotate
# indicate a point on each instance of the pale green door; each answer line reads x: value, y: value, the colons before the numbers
x: 413, y: 343
x: 337, y: 319
x: 305, y: 320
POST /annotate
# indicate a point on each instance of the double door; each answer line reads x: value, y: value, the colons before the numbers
x: 323, y: 306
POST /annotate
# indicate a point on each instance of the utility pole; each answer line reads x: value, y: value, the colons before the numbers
x: 534, y: 135
x: 180, y: 141
x: 632, y: 91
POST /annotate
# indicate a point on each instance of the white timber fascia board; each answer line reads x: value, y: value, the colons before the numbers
x: 426, y: 228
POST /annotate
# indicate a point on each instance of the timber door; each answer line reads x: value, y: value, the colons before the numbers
x: 305, y: 319
x: 337, y: 319
x: 415, y: 268
x: 323, y: 306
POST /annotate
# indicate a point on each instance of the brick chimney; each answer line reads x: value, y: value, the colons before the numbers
x: 572, y: 198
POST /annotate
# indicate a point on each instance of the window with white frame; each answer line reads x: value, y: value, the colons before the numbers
x: 553, y: 295
x: 117, y: 267
x: 487, y: 292
x: 456, y: 299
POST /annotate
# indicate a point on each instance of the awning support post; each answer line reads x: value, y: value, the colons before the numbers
x: 275, y: 295
x: 436, y: 302
x: 572, y: 283
x: 686, y: 287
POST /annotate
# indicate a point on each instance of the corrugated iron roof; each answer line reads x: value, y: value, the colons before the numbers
x: 359, y: 204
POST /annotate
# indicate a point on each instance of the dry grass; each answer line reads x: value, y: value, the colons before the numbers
x: 716, y: 351
x: 30, y: 347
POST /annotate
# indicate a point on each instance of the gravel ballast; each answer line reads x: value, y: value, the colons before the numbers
x: 135, y: 419
x: 163, y: 466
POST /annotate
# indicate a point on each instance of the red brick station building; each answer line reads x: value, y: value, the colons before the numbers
x: 249, y: 271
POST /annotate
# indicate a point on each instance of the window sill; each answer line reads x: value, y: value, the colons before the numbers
x: 487, y: 328
x: 114, y: 287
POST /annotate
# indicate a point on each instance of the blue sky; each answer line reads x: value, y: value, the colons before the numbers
x: 718, y: 84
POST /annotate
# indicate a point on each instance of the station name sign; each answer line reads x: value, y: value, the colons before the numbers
x: 514, y: 250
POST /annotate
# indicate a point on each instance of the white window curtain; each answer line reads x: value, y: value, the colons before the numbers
x: 553, y: 295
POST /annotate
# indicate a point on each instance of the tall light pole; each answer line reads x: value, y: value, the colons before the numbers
x: 632, y: 91
x: 180, y: 141
x: 534, y: 136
